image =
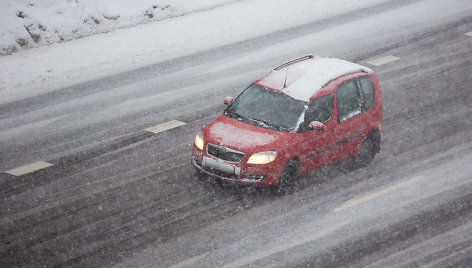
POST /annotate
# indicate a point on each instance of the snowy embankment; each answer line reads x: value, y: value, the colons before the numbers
x: 26, y: 24
x: 219, y: 22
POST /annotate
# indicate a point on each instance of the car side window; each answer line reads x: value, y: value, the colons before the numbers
x: 320, y: 109
x: 348, y: 100
x: 367, y: 92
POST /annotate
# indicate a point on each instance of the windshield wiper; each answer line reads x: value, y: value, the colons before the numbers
x: 235, y: 115
x: 260, y: 122
x: 267, y: 124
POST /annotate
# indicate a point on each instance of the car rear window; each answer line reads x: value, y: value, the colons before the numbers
x: 367, y: 91
x: 348, y: 101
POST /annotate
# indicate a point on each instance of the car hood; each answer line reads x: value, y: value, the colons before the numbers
x: 240, y: 136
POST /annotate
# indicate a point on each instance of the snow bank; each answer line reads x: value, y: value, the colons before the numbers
x: 28, y: 23
x: 47, y: 68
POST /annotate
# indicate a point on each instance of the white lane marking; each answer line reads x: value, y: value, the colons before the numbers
x: 29, y: 168
x: 189, y: 262
x: 469, y: 34
x: 165, y: 126
x: 283, y: 247
x: 383, y: 60
x: 367, y: 197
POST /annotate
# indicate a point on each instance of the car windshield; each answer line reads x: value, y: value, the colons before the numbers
x: 267, y: 108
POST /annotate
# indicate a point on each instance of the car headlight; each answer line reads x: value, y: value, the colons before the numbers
x: 199, y: 141
x: 262, y: 157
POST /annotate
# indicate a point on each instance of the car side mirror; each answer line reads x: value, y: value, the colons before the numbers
x: 228, y: 100
x: 315, y: 125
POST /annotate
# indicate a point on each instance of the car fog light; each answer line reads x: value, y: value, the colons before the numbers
x: 253, y: 177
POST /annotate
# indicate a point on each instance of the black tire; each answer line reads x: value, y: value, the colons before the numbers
x: 369, y: 148
x: 288, y: 178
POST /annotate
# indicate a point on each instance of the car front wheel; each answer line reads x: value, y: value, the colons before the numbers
x: 289, y: 176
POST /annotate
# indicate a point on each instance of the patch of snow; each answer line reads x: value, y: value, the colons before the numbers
x: 229, y: 135
x: 39, y: 70
x: 301, y: 119
x: 351, y: 114
x: 47, y: 68
x: 27, y: 23
x: 311, y: 75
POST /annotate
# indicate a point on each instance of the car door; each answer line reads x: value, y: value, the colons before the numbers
x: 350, y: 125
x: 315, y: 143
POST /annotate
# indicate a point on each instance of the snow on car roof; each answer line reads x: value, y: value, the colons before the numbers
x: 305, y: 77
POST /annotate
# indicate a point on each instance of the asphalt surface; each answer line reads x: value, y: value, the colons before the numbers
x: 119, y: 195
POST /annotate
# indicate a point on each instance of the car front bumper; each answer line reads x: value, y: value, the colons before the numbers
x: 234, y: 172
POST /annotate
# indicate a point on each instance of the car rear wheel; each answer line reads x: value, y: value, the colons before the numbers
x: 369, y: 148
x: 289, y: 176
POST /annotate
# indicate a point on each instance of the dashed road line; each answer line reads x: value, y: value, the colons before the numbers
x: 29, y: 168
x: 189, y: 262
x: 165, y: 126
x: 469, y: 34
x: 362, y: 199
x: 383, y: 60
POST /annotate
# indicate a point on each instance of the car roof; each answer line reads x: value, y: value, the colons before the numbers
x: 302, y: 78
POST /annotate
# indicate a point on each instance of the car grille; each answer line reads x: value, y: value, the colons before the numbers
x: 224, y: 153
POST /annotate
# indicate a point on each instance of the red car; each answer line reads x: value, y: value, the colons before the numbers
x: 305, y: 114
